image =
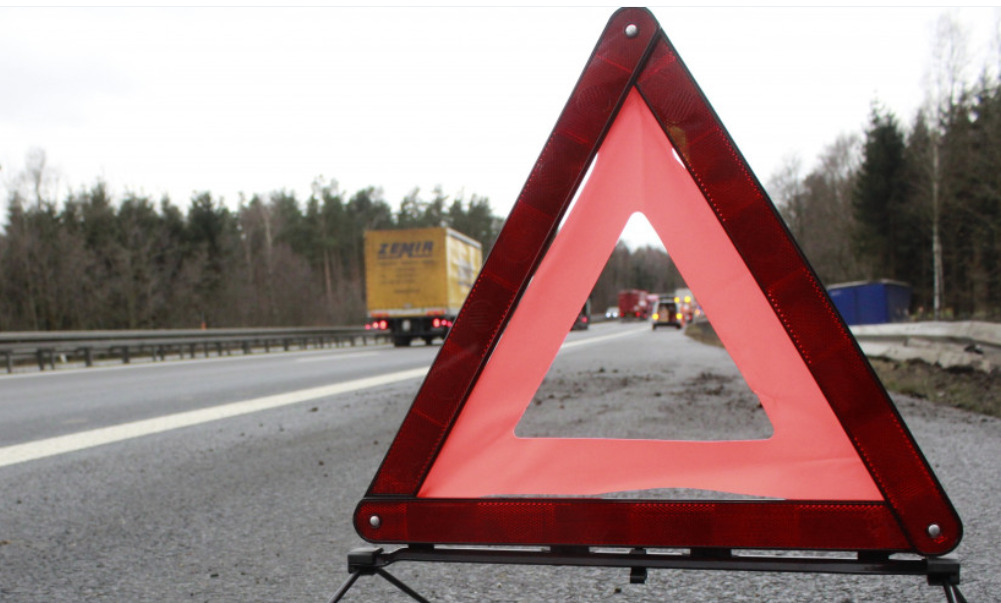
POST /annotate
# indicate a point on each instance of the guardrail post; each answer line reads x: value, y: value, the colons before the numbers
x: 10, y: 361
x: 126, y: 359
x: 88, y: 357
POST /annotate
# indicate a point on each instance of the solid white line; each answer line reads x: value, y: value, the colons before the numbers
x: 20, y: 453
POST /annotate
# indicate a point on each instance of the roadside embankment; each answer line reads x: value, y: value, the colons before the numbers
x: 948, y: 363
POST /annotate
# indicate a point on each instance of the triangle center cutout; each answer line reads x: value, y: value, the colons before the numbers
x: 640, y: 382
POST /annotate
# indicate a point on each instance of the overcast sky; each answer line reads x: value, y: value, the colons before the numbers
x: 231, y: 100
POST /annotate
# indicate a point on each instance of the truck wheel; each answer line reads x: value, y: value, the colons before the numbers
x: 401, y: 341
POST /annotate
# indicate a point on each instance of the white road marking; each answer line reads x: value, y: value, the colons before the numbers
x: 333, y: 358
x: 20, y: 453
x: 29, y: 451
x: 602, y: 338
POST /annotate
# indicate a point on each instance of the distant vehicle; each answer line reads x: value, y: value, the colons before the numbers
x: 417, y: 279
x: 651, y: 303
x: 667, y: 314
x: 634, y: 304
x: 612, y: 312
x: 871, y: 302
x: 687, y: 304
x: 583, y: 320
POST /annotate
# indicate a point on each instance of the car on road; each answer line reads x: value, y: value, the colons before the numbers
x: 666, y: 314
x: 583, y: 319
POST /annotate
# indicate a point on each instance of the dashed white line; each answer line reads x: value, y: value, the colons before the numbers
x: 602, y: 338
x: 335, y: 358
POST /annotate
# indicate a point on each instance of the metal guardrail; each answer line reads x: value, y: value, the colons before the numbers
x: 973, y: 344
x: 44, y: 347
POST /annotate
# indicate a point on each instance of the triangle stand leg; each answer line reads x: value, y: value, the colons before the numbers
x: 952, y: 594
x: 368, y: 561
x: 941, y: 571
x: 944, y: 571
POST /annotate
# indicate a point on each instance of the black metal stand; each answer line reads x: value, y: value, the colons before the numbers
x: 369, y: 561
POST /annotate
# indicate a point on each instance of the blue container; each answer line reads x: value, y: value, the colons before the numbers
x: 871, y: 302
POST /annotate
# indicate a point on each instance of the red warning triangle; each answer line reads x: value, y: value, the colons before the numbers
x: 840, y: 472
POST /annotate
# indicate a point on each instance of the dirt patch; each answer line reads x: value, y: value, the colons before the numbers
x: 689, y: 401
x: 964, y: 388
x: 961, y: 387
x: 703, y: 332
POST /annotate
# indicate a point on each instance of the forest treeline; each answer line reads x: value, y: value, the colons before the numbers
x: 93, y: 262
x: 882, y: 204
x: 918, y: 202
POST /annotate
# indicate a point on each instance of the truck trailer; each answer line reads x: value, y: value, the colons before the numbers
x: 871, y: 302
x: 634, y: 304
x: 417, y: 279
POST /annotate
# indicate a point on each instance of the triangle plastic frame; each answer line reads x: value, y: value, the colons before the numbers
x: 914, y: 513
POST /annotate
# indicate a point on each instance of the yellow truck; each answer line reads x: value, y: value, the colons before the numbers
x: 417, y: 279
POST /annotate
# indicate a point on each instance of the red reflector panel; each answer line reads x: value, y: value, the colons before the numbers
x: 591, y: 522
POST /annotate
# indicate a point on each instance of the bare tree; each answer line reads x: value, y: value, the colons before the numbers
x: 38, y: 181
x: 818, y: 210
x: 945, y: 83
x: 785, y: 187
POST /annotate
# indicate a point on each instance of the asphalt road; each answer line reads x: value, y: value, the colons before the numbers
x: 161, y: 496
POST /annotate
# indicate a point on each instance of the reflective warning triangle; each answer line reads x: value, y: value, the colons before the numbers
x: 840, y: 472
